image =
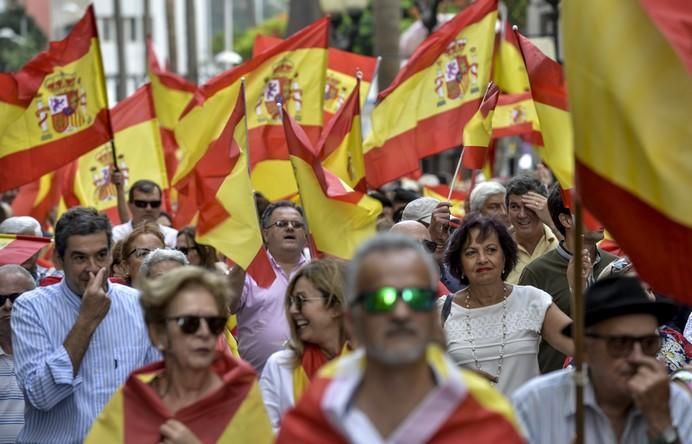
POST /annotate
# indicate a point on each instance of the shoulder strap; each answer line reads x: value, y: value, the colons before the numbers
x: 446, y: 308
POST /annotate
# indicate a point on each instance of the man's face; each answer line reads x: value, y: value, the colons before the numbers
x: 145, y: 207
x: 84, y: 255
x: 613, y: 372
x: 402, y: 335
x: 10, y: 285
x: 494, y: 206
x: 525, y: 222
x: 285, y: 231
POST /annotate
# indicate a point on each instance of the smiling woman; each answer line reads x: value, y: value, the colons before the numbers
x: 143, y: 240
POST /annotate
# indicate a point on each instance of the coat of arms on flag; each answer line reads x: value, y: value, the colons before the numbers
x: 66, y: 105
x: 281, y: 87
x: 456, y: 74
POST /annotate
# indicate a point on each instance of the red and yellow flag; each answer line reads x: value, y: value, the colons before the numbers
x: 515, y: 115
x: 441, y: 192
x: 233, y: 413
x: 338, y: 217
x: 631, y: 113
x: 478, y: 130
x: 139, y: 156
x: 55, y: 109
x: 17, y: 248
x: 342, y: 144
x: 291, y: 73
x: 509, y: 71
x: 217, y: 183
x: 433, y: 96
x: 38, y: 198
x: 342, y: 73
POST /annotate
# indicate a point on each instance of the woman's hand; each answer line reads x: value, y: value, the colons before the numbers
x: 175, y: 432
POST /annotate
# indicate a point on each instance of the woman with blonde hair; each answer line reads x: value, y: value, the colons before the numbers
x: 314, y: 310
x: 137, y: 245
x: 196, y: 394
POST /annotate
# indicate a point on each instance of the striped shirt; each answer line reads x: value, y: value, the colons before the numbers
x: 546, y: 409
x: 11, y: 401
x: 61, y: 406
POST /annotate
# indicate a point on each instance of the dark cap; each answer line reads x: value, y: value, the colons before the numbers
x: 619, y: 296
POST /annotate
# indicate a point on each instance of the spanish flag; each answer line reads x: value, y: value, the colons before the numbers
x: 233, y: 413
x: 433, y: 96
x: 477, y: 413
x: 631, y: 113
x: 17, y: 248
x: 441, y: 193
x: 139, y: 156
x: 342, y: 144
x: 478, y: 130
x: 38, y: 198
x: 55, y: 109
x: 343, y: 69
x: 291, y: 74
x: 338, y: 217
x: 509, y: 71
x: 515, y: 115
x: 217, y: 182
x: 549, y: 94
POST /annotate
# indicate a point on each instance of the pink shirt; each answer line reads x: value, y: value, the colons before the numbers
x: 262, y: 325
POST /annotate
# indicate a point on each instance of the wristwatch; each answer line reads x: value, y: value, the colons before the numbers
x: 668, y: 436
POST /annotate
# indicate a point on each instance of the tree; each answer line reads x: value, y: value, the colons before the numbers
x: 301, y: 13
x: 387, y: 18
x: 17, y: 47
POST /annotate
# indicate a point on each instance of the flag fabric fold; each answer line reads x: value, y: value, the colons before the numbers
x: 632, y: 134
x: 478, y: 130
x: 55, y: 108
x: 17, y: 248
x: 431, y: 99
x: 509, y: 71
x: 338, y: 217
x: 38, y: 198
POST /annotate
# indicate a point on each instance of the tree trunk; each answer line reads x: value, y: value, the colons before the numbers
x: 191, y: 40
x: 172, y: 36
x: 146, y: 27
x: 121, y: 86
x: 387, y: 17
x: 301, y: 13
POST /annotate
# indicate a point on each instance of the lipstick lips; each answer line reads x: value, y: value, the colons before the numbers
x: 482, y: 269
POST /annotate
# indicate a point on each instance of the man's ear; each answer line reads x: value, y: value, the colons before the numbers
x: 565, y: 220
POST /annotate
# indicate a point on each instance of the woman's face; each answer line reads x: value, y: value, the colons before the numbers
x: 482, y: 260
x: 314, y: 321
x: 142, y: 245
x: 195, y: 350
x: 187, y: 246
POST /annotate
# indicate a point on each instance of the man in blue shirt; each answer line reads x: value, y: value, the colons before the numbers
x: 76, y: 341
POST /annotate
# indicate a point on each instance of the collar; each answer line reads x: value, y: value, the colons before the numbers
x: 74, y: 297
x: 301, y: 261
x: 567, y: 255
x: 589, y: 397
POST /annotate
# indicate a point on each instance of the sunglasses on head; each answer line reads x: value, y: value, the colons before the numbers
x: 384, y: 299
x: 145, y: 203
x: 621, y: 346
x: 189, y: 324
x: 295, y: 224
x: 12, y: 297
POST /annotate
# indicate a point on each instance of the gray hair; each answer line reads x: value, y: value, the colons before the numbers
x: 161, y: 255
x: 10, y: 269
x: 381, y: 243
x: 482, y: 191
x: 21, y: 225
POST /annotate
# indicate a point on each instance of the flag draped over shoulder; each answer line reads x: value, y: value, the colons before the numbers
x: 291, y: 73
x: 631, y: 112
x: 342, y: 70
x: 478, y: 130
x: 433, y: 96
x: 38, y: 198
x: 233, y: 413
x: 217, y: 181
x: 139, y: 156
x: 338, y: 217
x: 55, y: 108
x: 549, y: 94
x: 17, y: 248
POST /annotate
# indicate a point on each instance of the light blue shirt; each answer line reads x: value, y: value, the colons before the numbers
x: 61, y: 406
x: 546, y: 410
x: 11, y: 401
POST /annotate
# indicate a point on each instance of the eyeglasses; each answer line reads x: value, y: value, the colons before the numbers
x: 295, y: 224
x: 189, y: 324
x: 384, y: 299
x: 139, y: 253
x: 621, y: 346
x: 430, y: 246
x: 12, y: 297
x: 299, y: 300
x: 145, y: 203
x: 185, y: 250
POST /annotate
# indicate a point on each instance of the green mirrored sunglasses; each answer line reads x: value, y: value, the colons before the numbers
x: 383, y: 300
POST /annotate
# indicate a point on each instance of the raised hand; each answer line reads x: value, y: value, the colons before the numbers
x: 175, y: 432
x: 539, y: 205
x: 650, y: 389
x: 95, y: 301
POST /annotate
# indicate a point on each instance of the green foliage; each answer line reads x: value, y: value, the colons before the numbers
x: 517, y: 12
x: 14, y: 53
x: 242, y: 42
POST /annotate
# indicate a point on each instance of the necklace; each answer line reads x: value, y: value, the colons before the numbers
x: 504, y: 330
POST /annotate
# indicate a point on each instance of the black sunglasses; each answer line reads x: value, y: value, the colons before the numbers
x: 12, y: 297
x: 185, y: 250
x: 189, y: 324
x: 145, y: 203
x: 621, y: 346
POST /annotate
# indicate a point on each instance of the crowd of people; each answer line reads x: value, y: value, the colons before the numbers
x: 439, y: 329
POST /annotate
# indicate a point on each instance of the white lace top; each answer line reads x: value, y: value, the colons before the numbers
x: 526, y: 308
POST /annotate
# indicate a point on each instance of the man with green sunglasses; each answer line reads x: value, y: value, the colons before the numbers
x: 397, y: 386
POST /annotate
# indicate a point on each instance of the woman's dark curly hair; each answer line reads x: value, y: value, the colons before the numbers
x: 462, y: 236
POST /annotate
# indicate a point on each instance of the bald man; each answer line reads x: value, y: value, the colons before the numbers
x: 14, y: 280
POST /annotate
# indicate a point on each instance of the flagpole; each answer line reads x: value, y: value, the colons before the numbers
x: 580, y: 376
x: 456, y: 173
x: 377, y: 68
